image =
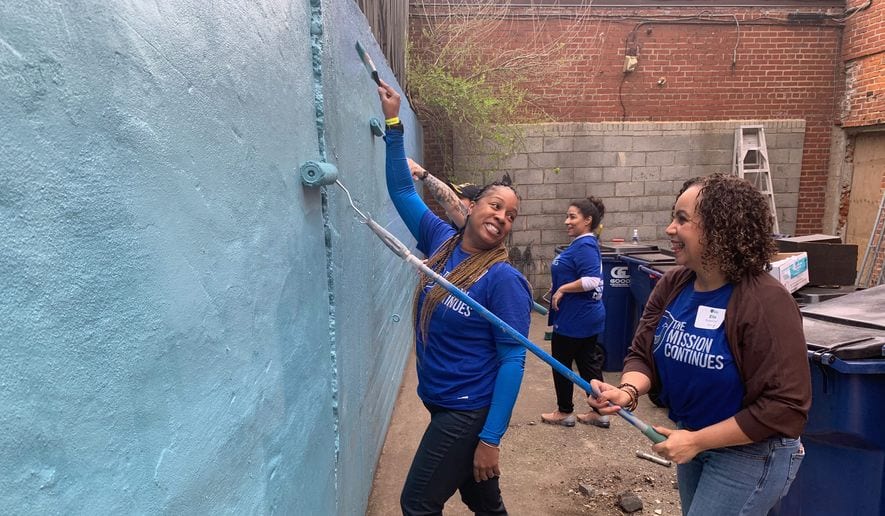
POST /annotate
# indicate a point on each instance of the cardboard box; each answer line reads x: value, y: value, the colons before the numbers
x: 830, y: 262
x: 790, y: 269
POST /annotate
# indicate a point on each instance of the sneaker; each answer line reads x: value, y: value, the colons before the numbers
x: 558, y: 418
x: 592, y: 418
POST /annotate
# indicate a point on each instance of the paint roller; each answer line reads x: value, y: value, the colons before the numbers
x: 315, y: 174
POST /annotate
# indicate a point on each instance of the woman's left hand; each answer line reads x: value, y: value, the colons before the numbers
x: 554, y: 301
x: 679, y: 447
x: 485, y: 462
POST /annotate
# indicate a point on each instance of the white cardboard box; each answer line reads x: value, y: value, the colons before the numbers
x: 790, y: 269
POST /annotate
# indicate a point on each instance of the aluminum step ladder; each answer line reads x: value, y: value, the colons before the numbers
x: 873, y: 263
x: 750, y: 162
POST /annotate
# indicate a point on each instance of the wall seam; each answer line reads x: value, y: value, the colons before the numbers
x: 316, y: 46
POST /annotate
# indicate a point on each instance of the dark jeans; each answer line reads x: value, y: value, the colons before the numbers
x: 444, y: 464
x: 589, y: 356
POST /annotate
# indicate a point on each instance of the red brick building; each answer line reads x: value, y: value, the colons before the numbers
x: 819, y: 61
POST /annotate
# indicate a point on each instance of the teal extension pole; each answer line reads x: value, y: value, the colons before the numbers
x: 314, y: 174
x: 397, y: 247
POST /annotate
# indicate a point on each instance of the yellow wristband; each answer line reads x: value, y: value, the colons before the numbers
x: 392, y: 121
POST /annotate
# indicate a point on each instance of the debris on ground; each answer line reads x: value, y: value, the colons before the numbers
x: 629, y: 502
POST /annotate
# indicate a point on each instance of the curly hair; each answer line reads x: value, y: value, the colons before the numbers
x: 736, y: 225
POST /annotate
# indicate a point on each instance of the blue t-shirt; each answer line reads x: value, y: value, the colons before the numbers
x: 700, y: 382
x: 580, y: 314
x: 458, y: 363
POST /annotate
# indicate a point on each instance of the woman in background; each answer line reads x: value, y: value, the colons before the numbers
x: 576, y: 310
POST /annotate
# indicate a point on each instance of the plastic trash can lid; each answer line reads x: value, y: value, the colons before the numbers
x: 843, y: 341
x: 864, y: 309
x: 626, y: 248
x: 646, y: 258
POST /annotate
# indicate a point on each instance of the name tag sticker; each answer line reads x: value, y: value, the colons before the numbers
x: 709, y: 318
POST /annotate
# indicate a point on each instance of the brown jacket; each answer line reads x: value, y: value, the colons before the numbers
x: 763, y: 326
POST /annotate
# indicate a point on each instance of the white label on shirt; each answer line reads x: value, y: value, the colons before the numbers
x: 709, y: 318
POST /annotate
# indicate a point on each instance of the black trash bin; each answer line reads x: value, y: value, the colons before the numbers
x: 644, y: 275
x: 844, y: 467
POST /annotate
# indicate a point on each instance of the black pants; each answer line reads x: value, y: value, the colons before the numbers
x: 444, y: 464
x: 589, y: 356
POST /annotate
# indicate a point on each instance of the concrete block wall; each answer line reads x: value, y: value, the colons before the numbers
x: 737, y: 66
x: 636, y: 168
x: 186, y: 328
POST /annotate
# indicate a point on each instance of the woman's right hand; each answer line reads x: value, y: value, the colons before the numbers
x: 555, y: 298
x: 390, y: 100
x: 607, y: 393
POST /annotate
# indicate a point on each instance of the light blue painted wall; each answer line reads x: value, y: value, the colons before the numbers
x: 185, y: 327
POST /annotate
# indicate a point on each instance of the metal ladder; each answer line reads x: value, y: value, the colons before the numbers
x: 870, y: 273
x: 750, y: 162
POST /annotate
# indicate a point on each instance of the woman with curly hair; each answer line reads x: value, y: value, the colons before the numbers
x: 722, y: 340
x: 469, y: 371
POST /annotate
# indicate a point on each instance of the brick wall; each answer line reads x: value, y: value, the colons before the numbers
x: 636, y: 168
x: 758, y: 67
x: 864, y: 59
x: 863, y: 105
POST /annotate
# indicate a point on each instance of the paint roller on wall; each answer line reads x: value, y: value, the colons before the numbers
x: 315, y: 174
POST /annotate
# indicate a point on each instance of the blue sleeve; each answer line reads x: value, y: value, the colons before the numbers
x: 512, y: 302
x: 588, y: 262
x: 399, y: 183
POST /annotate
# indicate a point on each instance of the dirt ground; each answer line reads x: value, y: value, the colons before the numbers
x: 542, y: 466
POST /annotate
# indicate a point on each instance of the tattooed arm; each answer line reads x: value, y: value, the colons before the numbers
x: 445, y: 196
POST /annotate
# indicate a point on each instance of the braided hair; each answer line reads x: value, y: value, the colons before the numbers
x: 464, y: 275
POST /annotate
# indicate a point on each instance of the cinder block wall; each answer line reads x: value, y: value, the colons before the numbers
x: 186, y: 329
x: 636, y: 168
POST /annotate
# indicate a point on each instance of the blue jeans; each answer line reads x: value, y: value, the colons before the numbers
x: 444, y: 464
x: 747, y: 479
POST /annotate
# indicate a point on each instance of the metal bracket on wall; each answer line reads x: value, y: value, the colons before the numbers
x: 377, y: 128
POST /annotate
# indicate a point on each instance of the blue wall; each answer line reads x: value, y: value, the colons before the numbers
x: 185, y: 327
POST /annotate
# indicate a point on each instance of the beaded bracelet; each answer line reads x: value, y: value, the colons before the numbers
x: 633, y: 392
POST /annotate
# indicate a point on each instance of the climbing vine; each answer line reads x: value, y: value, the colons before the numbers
x: 468, y: 78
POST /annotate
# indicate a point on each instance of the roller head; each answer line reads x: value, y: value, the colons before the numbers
x: 316, y: 173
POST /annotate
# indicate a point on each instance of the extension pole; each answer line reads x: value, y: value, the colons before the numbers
x: 315, y: 173
x: 397, y: 247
